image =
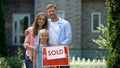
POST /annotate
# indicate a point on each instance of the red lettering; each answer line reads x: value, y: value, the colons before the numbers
x: 60, y: 51
x: 55, y: 52
x: 49, y: 53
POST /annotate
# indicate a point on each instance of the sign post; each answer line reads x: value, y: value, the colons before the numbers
x: 55, y: 56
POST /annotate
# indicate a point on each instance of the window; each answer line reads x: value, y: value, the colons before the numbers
x: 61, y: 14
x: 20, y: 23
x: 96, y: 20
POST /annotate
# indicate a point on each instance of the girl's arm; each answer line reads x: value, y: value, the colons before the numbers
x: 34, y: 59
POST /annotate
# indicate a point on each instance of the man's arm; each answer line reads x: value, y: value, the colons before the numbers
x: 68, y: 34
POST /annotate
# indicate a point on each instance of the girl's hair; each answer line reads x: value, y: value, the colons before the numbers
x: 44, y: 30
x: 35, y: 23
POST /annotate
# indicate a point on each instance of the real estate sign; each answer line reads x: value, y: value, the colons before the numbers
x: 55, y: 56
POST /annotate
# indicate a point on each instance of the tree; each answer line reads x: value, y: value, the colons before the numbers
x: 110, y: 38
x: 114, y: 33
x: 3, y: 42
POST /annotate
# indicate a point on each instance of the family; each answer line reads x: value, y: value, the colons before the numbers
x: 46, y: 30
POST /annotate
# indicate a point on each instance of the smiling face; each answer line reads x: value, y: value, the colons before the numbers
x: 52, y: 12
x: 41, y: 20
x: 43, y: 35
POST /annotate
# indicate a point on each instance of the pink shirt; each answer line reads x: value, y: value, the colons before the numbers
x: 29, y: 40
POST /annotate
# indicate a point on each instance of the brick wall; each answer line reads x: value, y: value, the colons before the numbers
x: 77, y: 12
x: 16, y: 6
x: 72, y: 9
x: 88, y: 7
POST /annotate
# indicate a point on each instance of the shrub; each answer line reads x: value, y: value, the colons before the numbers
x: 14, y: 62
x: 3, y: 63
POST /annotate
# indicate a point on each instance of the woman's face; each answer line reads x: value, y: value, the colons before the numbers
x: 41, y: 20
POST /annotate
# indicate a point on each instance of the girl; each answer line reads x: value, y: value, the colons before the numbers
x: 31, y: 38
x: 37, y: 54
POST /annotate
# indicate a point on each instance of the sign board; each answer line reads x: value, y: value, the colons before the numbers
x: 55, y: 56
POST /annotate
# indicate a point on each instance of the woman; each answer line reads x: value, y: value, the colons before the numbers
x: 32, y: 38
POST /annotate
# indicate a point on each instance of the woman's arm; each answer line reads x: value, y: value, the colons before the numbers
x: 28, y: 39
x: 26, y: 32
x: 27, y: 42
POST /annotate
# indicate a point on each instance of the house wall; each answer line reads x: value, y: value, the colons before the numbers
x: 88, y: 7
x: 16, y: 6
x: 77, y: 12
x: 72, y: 11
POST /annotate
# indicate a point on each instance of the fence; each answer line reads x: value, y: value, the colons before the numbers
x: 87, y: 63
x: 84, y: 63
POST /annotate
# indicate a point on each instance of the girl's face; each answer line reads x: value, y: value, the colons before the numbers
x: 41, y: 20
x: 43, y: 36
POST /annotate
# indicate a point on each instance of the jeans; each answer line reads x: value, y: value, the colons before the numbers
x: 28, y: 62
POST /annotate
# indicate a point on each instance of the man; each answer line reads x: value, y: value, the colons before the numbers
x: 59, y: 29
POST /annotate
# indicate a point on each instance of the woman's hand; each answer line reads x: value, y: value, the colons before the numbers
x: 26, y: 32
x: 30, y: 47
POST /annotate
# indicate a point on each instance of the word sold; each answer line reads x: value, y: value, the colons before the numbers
x: 55, y: 52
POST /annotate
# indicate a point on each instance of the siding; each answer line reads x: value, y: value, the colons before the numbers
x: 88, y: 7
x: 16, y: 6
x: 72, y: 9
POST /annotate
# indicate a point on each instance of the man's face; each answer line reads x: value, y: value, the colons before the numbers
x: 52, y: 12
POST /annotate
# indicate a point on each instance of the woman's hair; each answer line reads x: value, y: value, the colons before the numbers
x: 35, y: 23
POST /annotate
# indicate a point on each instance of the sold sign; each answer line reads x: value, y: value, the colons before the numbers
x: 55, y: 52
x: 55, y: 56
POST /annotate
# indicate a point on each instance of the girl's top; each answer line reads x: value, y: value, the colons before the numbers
x: 38, y: 50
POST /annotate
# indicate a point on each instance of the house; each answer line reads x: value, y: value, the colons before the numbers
x: 83, y: 15
x: 15, y: 12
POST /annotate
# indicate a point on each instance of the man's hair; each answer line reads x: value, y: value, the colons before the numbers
x: 51, y: 5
